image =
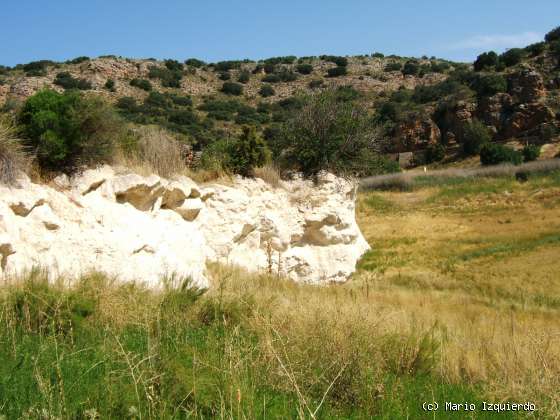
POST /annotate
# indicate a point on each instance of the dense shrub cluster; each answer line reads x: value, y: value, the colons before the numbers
x: 536, y: 49
x: 232, y: 88
x: 69, y: 130
x: 141, y: 84
x: 110, y: 85
x: 531, y: 152
x: 411, y: 68
x: 194, y: 62
x: 67, y: 81
x: 233, y: 110
x: 37, y: 68
x: 224, y: 75
x: 494, y: 154
x: 488, y: 85
x: 339, y: 61
x: 244, y: 77
x: 289, y: 59
x: 553, y: 35
x: 227, y: 65
x: 266, y: 91
x: 168, y: 77
x: 78, y: 60
x: 281, y: 76
x: 485, y: 60
x: 435, y: 153
x: 395, y: 66
x: 337, y: 71
x: 248, y: 152
x: 304, y: 68
x: 512, y: 57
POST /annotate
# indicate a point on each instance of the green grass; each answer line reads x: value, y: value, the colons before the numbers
x: 182, y: 353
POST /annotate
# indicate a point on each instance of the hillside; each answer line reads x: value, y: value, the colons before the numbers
x: 421, y: 107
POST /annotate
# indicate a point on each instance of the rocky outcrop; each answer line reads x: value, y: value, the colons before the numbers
x: 144, y: 228
x: 526, y: 85
x: 415, y: 134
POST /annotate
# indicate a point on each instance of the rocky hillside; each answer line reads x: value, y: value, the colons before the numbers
x: 422, y: 107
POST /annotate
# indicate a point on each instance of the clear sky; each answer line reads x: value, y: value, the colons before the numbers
x: 215, y: 30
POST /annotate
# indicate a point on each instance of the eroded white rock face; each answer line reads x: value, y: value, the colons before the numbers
x: 144, y: 228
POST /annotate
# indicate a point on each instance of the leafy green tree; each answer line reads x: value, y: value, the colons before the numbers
x: 489, y: 85
x: 194, y: 62
x: 475, y: 136
x: 536, y: 49
x: 68, y: 130
x: 327, y: 133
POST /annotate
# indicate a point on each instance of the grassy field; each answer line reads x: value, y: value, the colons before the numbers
x: 458, y: 300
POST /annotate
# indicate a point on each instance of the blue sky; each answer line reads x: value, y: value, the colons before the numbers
x: 220, y: 30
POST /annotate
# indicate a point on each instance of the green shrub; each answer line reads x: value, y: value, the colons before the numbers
x: 494, y: 154
x: 269, y: 68
x: 553, y: 35
x: 127, y: 104
x: 440, y: 67
x: 339, y: 61
x: 272, y: 78
x: 512, y: 57
x: 393, y: 67
x: 67, y: 81
x: 328, y: 134
x: 37, y: 68
x: 289, y: 59
x: 141, y: 84
x: 475, y: 136
x: 531, y: 152
x: 435, y: 153
x: 489, y: 85
x: 168, y: 78
x: 173, y: 65
x: 224, y: 75
x: 317, y: 83
x: 249, y: 151
x: 194, y: 62
x: 337, y: 71
x: 68, y: 130
x: 227, y: 65
x: 232, y: 88
x: 266, y: 91
x: 78, y: 60
x: 244, y: 77
x: 304, y: 68
x: 377, y: 55
x: 110, y: 85
x: 484, y: 60
x: 411, y: 68
x: 536, y: 49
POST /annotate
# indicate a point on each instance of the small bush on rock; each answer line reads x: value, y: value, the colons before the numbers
x: 266, y: 91
x: 304, y: 68
x: 141, y: 84
x: 67, y: 81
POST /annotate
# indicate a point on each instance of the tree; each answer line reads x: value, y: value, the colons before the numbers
x: 304, y: 68
x: 475, y: 136
x: 487, y: 59
x: 328, y: 134
x: 68, y: 130
x: 489, y: 85
x: 194, y: 62
x: 512, y: 57
x: 250, y: 151
x: 553, y: 35
x: 410, y: 68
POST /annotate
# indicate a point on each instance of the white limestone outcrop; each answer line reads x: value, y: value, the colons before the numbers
x: 144, y: 228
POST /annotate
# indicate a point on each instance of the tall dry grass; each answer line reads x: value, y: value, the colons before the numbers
x: 14, y: 159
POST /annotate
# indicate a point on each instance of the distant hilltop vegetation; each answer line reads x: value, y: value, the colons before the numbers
x: 419, y: 110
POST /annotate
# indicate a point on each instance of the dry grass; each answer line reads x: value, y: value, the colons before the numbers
x: 481, y: 266
x: 405, y: 181
x: 269, y: 174
x: 13, y: 157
